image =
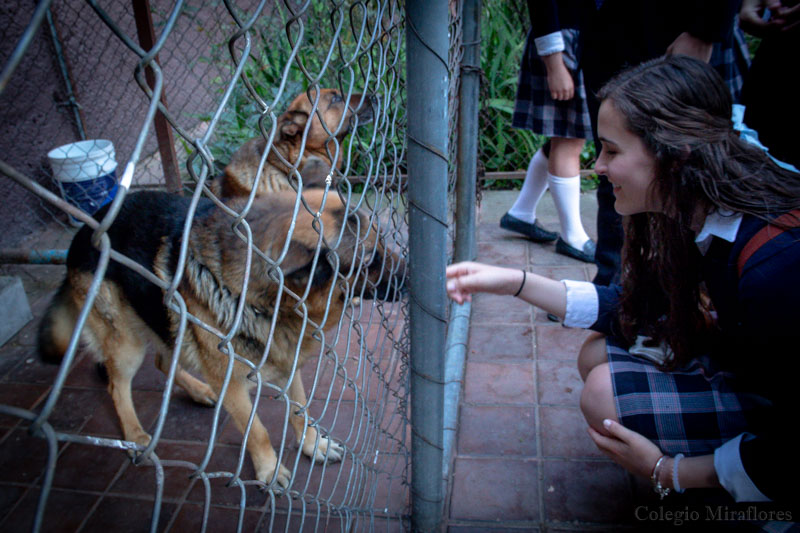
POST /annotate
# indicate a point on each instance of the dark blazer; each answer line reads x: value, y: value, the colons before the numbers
x: 759, y: 342
x: 772, y: 106
x: 550, y: 16
x: 626, y: 32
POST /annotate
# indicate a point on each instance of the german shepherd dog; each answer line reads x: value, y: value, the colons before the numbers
x: 315, y: 163
x: 129, y: 311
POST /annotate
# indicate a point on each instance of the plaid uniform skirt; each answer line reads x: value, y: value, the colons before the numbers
x: 692, y: 410
x: 731, y: 61
x: 535, y: 110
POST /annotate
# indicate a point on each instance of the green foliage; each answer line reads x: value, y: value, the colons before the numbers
x: 753, y: 43
x: 328, y: 41
x: 588, y: 157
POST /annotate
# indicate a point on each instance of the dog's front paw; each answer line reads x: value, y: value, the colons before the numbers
x: 327, y: 450
x: 267, y: 472
x: 141, y: 438
x: 204, y: 396
x: 198, y: 390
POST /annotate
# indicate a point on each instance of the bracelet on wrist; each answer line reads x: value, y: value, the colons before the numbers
x: 521, y: 285
x: 675, y: 483
x: 659, y: 489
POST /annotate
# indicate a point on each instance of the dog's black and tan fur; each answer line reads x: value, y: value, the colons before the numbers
x: 129, y: 311
x: 314, y: 162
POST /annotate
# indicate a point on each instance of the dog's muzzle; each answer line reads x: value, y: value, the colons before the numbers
x: 391, y: 286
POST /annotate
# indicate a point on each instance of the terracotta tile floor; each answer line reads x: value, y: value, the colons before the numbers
x: 524, y: 461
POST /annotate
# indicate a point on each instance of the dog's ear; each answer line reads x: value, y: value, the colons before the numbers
x: 292, y: 123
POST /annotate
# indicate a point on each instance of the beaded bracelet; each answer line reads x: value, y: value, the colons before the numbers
x: 657, y: 486
x: 675, y: 482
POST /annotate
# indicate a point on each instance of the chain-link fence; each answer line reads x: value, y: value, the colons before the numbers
x: 179, y: 89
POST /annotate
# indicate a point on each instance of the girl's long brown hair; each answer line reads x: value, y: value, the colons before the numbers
x: 681, y: 109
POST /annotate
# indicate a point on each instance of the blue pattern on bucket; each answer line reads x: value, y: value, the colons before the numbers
x: 92, y: 194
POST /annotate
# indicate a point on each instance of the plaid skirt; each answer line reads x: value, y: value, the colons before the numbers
x: 535, y: 110
x: 731, y: 61
x: 692, y: 410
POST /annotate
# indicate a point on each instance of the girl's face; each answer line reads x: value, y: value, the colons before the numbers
x: 626, y: 161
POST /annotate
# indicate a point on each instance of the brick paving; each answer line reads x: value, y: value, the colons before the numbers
x: 524, y: 461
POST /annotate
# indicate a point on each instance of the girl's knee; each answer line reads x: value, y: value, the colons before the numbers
x: 597, y: 397
x: 568, y: 145
x: 592, y: 354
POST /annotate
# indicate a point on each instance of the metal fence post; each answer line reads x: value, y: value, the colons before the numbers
x: 465, y: 247
x: 427, y: 77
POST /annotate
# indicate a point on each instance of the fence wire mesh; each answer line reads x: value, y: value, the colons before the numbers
x: 222, y: 73
x: 454, y: 57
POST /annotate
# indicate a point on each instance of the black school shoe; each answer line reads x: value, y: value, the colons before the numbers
x: 534, y: 231
x: 586, y: 254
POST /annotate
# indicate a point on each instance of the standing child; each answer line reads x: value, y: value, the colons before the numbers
x: 551, y: 101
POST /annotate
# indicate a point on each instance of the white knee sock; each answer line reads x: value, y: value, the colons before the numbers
x: 533, y: 188
x: 566, y: 195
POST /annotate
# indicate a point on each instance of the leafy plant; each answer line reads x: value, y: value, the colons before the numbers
x: 318, y: 30
x: 322, y: 44
x: 502, y: 42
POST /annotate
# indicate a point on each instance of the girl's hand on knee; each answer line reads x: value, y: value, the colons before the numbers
x: 465, y: 279
x: 631, y: 450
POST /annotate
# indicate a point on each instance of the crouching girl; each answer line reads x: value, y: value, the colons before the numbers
x: 689, y: 377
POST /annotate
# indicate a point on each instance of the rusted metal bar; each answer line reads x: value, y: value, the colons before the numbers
x: 164, y: 136
x: 520, y: 175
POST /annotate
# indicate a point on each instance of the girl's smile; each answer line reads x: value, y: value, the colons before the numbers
x: 626, y: 162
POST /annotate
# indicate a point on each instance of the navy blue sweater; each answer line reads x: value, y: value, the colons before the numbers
x: 759, y: 318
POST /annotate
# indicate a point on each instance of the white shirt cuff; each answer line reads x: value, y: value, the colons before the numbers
x: 582, y: 304
x: 549, y: 44
x: 731, y: 473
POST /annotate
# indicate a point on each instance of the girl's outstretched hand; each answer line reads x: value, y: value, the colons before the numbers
x: 465, y: 279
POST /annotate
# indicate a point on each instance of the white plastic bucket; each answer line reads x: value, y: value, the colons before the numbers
x: 86, y: 173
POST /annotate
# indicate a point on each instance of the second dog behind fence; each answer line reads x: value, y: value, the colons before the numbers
x: 314, y: 159
x: 326, y: 261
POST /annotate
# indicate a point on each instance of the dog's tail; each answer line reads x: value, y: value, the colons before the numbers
x: 57, y: 324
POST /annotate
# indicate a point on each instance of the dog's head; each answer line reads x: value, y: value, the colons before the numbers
x: 340, y: 246
x: 338, y: 112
